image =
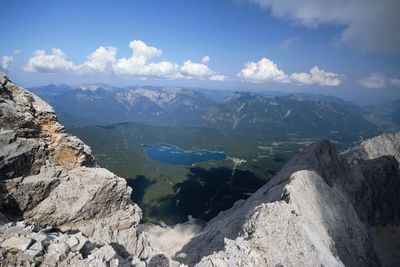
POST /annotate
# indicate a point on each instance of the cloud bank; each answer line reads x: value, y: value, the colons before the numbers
x: 265, y: 70
x: 104, y: 60
x: 369, y: 25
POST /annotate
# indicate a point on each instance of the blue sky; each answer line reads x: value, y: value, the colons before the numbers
x: 348, y: 48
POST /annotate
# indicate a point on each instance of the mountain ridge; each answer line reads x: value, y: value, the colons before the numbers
x: 277, y: 115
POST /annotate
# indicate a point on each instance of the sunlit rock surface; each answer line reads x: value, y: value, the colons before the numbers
x: 316, y: 211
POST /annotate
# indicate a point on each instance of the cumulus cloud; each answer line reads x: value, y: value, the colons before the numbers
x: 369, y: 25
x: 100, y: 60
x: 317, y: 76
x: 5, y: 62
x: 191, y: 70
x: 104, y: 60
x: 195, y: 69
x: 262, y: 71
x: 378, y: 81
x: 141, y: 53
x: 266, y: 70
x: 138, y: 63
x: 54, y: 62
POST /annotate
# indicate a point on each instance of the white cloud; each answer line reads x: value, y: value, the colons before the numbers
x: 262, y: 71
x: 163, y: 69
x: 17, y: 51
x: 135, y: 64
x: 266, y: 70
x: 104, y: 60
x: 317, y: 76
x: 205, y: 59
x: 191, y: 69
x: 138, y: 64
x: 5, y: 62
x: 369, y: 25
x: 395, y: 82
x: 374, y: 81
x: 201, y: 71
x: 101, y: 60
x: 55, y: 62
x: 140, y: 49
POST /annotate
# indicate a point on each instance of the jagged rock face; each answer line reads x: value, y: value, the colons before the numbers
x: 387, y: 144
x: 323, y: 233
x: 297, y: 232
x: 378, y: 199
x: 315, y: 211
x: 50, y: 179
x: 31, y: 136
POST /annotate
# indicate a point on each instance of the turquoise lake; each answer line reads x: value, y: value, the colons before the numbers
x: 173, y: 155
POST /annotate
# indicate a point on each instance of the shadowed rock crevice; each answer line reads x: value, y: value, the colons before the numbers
x: 377, y: 201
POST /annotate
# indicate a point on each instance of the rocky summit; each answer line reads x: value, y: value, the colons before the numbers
x: 58, y: 208
x: 318, y: 210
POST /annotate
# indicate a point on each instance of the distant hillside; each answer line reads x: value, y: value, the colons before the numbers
x: 295, y: 115
x: 106, y: 105
x: 292, y: 115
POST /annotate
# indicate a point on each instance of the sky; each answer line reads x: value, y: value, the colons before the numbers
x: 345, y: 48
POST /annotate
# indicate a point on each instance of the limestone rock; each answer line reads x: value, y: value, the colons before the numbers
x: 20, y: 243
x: 387, y: 144
x: 21, y: 194
x: 315, y: 211
x: 31, y: 136
x: 310, y: 227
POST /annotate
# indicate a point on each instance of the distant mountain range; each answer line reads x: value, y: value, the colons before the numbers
x: 274, y: 115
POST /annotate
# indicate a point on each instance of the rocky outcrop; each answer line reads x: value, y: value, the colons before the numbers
x: 316, y: 211
x: 387, y: 144
x: 50, y: 180
x: 32, y: 138
x: 22, y: 244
